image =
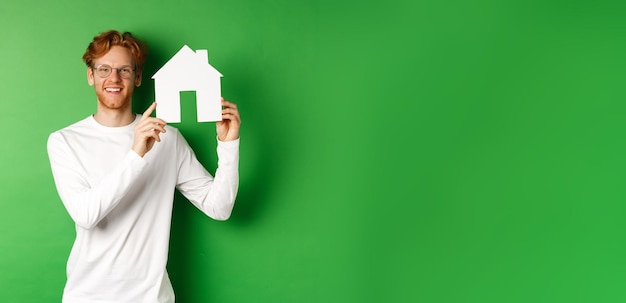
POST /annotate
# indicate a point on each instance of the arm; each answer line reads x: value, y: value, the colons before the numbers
x: 215, y: 197
x: 88, y: 204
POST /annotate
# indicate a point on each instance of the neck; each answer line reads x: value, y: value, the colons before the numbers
x: 114, y: 117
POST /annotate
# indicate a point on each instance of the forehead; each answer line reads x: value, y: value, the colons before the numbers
x: 116, y: 56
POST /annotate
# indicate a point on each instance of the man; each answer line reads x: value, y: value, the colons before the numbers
x: 116, y: 173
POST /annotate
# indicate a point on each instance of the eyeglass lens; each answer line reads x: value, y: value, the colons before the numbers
x: 104, y: 71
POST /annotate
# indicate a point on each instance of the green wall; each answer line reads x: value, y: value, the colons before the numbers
x: 392, y: 151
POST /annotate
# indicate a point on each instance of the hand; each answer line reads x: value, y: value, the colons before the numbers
x: 147, y: 132
x: 228, y: 128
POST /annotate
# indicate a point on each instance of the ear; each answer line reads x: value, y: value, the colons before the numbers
x: 90, y: 78
x: 138, y: 79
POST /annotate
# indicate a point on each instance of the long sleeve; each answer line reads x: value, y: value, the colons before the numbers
x: 213, y: 196
x: 88, y: 203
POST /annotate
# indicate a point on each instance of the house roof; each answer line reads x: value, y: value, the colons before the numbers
x: 188, y: 63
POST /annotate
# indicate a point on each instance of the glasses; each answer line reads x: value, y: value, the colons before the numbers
x: 104, y: 71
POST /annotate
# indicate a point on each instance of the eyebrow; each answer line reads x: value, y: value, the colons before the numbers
x: 124, y: 65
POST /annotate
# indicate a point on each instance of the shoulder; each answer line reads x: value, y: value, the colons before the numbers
x: 78, y: 126
x: 172, y: 129
x: 174, y: 138
x: 70, y: 130
x: 172, y: 134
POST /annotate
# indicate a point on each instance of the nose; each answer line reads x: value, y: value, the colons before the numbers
x: 115, y: 75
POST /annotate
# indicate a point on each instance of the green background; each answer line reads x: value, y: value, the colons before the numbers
x: 392, y: 151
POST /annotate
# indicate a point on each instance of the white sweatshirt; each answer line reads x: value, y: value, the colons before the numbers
x: 122, y: 205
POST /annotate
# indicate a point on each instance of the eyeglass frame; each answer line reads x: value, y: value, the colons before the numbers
x: 118, y: 70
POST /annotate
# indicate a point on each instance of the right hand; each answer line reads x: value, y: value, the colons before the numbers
x: 147, y: 132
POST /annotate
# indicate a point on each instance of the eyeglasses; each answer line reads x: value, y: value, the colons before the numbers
x: 104, y: 71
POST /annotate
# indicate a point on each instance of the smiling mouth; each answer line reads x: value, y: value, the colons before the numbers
x: 113, y: 89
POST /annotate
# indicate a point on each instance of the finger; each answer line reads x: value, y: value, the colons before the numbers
x: 230, y: 111
x: 149, y: 111
x: 228, y: 104
x: 156, y: 137
x: 231, y: 118
x: 151, y: 134
x: 152, y: 121
x: 151, y: 129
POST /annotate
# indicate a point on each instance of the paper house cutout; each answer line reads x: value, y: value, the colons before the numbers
x: 188, y: 71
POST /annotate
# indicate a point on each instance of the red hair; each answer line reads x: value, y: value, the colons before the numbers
x: 102, y: 43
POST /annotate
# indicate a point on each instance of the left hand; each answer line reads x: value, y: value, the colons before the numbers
x: 228, y: 128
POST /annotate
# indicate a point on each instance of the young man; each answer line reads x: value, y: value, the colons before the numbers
x: 116, y: 173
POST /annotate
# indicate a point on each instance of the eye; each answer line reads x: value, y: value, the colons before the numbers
x: 126, y: 70
x: 104, y: 69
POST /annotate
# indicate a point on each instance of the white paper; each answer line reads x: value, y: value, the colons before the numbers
x: 188, y: 71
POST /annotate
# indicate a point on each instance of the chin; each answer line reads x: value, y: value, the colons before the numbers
x: 115, y: 104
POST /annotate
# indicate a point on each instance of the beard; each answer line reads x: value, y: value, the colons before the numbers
x: 113, y: 101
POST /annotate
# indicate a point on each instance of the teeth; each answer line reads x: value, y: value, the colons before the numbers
x: 112, y: 89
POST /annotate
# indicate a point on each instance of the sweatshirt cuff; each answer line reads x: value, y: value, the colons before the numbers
x: 134, y: 161
x: 228, y: 151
